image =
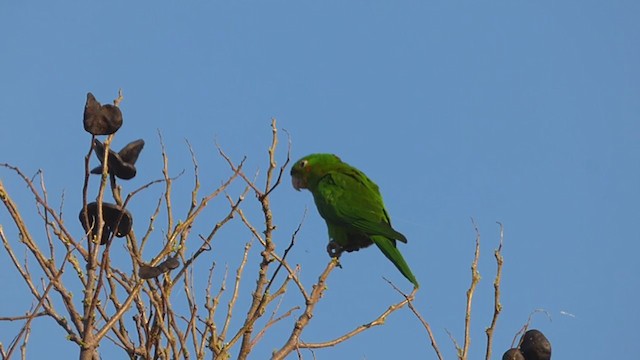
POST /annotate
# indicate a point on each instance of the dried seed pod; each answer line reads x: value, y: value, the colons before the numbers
x: 101, y: 119
x: 122, y: 163
x: 513, y: 354
x: 116, y: 219
x: 535, y: 346
x: 148, y: 272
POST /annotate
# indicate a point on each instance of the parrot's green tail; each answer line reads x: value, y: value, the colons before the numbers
x: 392, y: 253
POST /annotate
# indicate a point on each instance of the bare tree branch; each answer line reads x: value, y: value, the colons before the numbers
x: 475, y: 279
x: 497, y: 307
x: 380, y: 320
x: 424, y: 323
x: 318, y: 290
x: 137, y: 313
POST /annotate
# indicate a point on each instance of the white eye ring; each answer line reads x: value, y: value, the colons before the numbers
x: 303, y: 163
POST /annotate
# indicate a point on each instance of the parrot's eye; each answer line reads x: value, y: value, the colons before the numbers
x: 303, y: 163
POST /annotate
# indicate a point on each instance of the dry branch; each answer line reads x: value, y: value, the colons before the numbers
x: 497, y: 307
x: 475, y: 279
x: 137, y: 315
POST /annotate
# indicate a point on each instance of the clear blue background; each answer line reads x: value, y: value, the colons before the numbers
x: 521, y: 112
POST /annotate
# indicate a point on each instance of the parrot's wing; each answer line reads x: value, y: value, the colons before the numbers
x: 352, y: 199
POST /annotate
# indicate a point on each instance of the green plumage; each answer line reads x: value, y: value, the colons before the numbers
x: 352, y: 207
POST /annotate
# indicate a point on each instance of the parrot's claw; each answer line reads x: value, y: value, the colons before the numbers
x: 334, y: 249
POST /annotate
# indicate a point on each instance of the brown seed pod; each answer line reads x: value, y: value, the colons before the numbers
x: 148, y: 272
x: 535, y: 346
x: 116, y: 220
x: 122, y: 163
x: 513, y: 354
x: 101, y: 119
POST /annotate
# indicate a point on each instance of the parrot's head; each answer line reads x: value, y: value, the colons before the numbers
x: 306, y: 172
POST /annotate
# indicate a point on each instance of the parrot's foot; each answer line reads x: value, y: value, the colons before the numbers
x: 334, y: 249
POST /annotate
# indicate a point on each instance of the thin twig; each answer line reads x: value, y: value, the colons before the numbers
x: 236, y: 290
x: 34, y: 313
x: 475, y: 279
x: 376, y: 322
x: 272, y: 321
x: 317, y: 292
x: 424, y: 323
x: 525, y: 327
x: 497, y: 307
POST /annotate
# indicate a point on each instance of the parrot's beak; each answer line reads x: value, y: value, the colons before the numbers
x: 297, y: 183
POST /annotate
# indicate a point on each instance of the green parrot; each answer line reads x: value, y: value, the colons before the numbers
x: 351, y: 205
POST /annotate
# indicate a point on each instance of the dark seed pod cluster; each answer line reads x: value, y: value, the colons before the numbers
x: 533, y: 346
x: 106, y: 120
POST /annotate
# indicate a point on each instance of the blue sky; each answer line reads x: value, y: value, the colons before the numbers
x: 521, y: 112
